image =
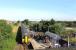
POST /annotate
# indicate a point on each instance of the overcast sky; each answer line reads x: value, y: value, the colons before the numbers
x: 38, y: 9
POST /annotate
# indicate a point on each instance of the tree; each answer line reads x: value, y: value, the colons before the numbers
x: 58, y: 28
x: 52, y: 21
x: 35, y: 27
x: 26, y: 21
x: 44, y: 25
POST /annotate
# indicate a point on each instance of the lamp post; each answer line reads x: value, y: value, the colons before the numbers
x: 68, y: 34
x: 68, y: 40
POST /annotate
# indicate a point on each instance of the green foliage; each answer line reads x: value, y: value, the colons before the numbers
x: 52, y: 22
x: 51, y: 25
x: 26, y: 21
x: 58, y: 28
x: 7, y: 39
x: 7, y: 44
x: 68, y: 23
x: 71, y: 39
x: 43, y: 25
x: 5, y: 30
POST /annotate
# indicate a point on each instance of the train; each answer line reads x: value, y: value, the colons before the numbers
x: 22, y: 34
x: 57, y: 39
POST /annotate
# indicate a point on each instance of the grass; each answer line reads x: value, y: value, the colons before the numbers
x: 8, y: 44
x: 72, y: 30
x: 72, y: 39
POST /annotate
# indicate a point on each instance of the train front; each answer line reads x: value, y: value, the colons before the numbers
x: 25, y: 34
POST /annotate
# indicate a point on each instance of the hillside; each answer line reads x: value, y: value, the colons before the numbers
x: 7, y: 35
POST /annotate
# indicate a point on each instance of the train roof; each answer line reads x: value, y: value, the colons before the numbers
x: 52, y: 35
x: 24, y: 29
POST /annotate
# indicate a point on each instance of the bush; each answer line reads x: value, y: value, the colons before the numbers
x: 5, y: 30
x: 7, y: 39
